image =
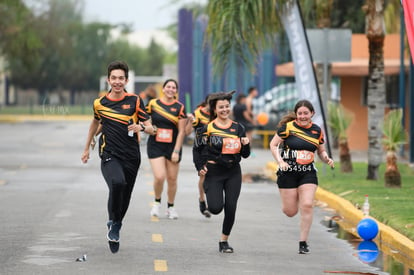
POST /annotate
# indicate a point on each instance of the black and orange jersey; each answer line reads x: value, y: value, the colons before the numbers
x: 201, y: 118
x: 114, y: 116
x: 221, y: 145
x: 165, y: 117
x: 299, y: 139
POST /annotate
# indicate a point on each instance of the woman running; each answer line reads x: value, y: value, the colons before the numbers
x: 293, y: 147
x: 165, y: 147
x: 218, y: 149
x: 196, y: 121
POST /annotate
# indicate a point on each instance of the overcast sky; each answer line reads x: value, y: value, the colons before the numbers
x: 144, y: 14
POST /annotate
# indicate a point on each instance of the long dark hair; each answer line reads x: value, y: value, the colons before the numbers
x: 292, y: 115
x: 212, y: 101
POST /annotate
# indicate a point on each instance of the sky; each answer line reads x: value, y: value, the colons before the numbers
x: 148, y: 17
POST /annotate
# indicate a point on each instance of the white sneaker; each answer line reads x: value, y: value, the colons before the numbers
x: 172, y: 213
x: 155, y: 210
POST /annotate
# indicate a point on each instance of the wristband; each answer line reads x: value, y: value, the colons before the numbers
x: 176, y: 151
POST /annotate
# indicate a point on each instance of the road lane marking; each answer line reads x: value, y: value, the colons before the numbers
x: 160, y: 265
x: 157, y: 238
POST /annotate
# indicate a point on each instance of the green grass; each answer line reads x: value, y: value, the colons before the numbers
x: 391, y: 206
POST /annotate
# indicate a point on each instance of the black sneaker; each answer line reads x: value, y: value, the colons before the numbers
x: 113, y: 246
x: 303, y: 248
x: 224, y: 247
x: 113, y: 233
x: 204, y: 210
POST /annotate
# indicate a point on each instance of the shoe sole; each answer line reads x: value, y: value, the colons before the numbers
x: 226, y: 251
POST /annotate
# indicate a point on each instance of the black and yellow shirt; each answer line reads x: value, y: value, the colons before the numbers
x: 201, y: 118
x: 300, y: 143
x: 165, y: 116
x: 114, y: 116
x: 221, y: 145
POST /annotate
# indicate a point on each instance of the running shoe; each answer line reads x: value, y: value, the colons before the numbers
x: 155, y: 210
x: 113, y: 233
x: 303, y: 248
x: 204, y: 210
x: 172, y: 213
x: 113, y: 246
x: 224, y: 247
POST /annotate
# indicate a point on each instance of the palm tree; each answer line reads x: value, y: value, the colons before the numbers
x: 375, y: 31
x: 394, y: 136
x: 243, y: 28
x: 339, y: 120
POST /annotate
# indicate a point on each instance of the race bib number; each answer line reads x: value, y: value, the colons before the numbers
x: 231, y: 146
x: 304, y: 157
x: 164, y: 135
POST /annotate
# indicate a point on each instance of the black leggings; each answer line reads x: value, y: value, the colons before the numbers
x: 120, y: 176
x: 221, y: 181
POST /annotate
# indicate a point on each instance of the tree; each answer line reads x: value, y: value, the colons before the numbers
x: 75, y: 54
x: 242, y: 28
x: 375, y: 31
x: 18, y: 38
x: 394, y: 137
x: 339, y: 120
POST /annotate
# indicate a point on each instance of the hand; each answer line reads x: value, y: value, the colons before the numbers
x: 203, y: 171
x: 190, y: 118
x: 283, y: 166
x: 141, y: 127
x: 155, y: 130
x: 245, y: 140
x: 85, y: 156
x: 330, y: 162
x: 175, y: 156
x: 134, y: 127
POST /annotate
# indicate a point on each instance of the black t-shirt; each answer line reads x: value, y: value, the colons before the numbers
x: 238, y: 114
x: 114, y: 116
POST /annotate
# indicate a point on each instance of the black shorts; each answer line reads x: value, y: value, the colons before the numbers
x: 159, y: 149
x: 287, y: 180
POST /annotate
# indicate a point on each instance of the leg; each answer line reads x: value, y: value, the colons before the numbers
x: 306, y: 197
x: 172, y: 174
x: 113, y: 173
x: 131, y: 171
x: 213, y: 187
x: 289, y: 198
x: 232, y: 189
x: 202, y: 196
x: 159, y: 172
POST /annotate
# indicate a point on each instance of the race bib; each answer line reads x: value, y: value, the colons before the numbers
x: 231, y: 146
x: 304, y: 157
x: 164, y: 135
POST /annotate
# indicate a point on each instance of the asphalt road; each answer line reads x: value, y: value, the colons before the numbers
x: 53, y: 211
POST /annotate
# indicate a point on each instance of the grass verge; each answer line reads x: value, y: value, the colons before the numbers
x: 391, y: 206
